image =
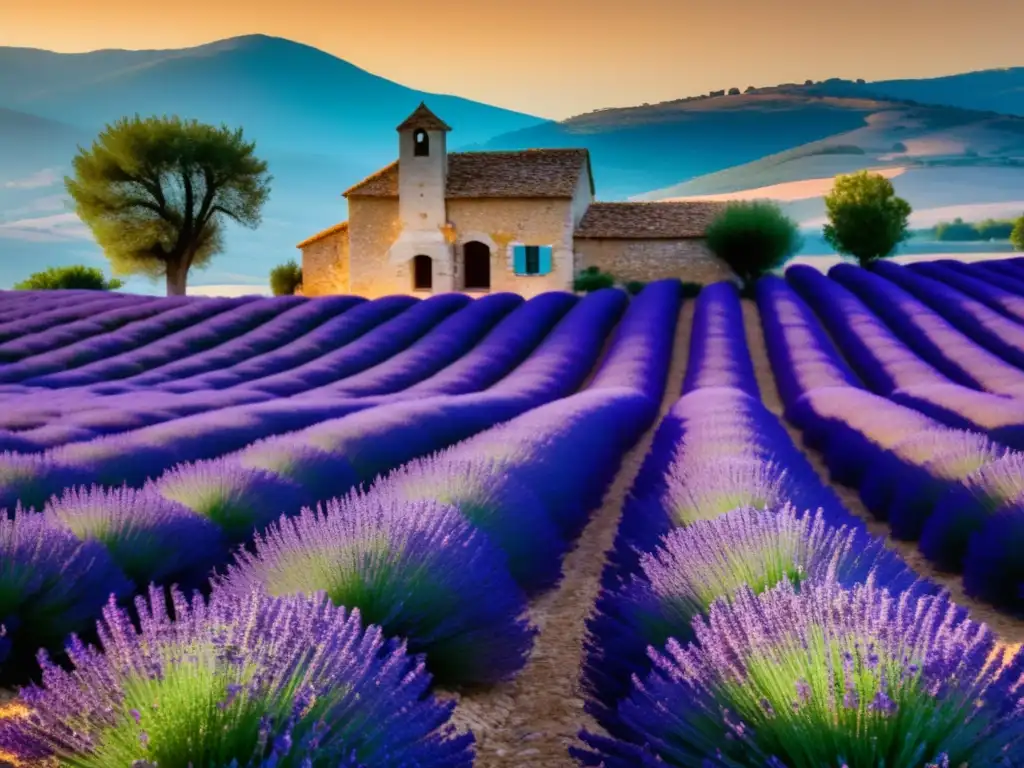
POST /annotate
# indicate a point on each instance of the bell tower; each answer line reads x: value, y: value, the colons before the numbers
x: 422, y: 180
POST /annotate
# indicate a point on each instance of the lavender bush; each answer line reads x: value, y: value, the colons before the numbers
x: 246, y: 682
x: 321, y: 474
x: 825, y: 676
x: 418, y: 569
x: 31, y: 479
x: 50, y: 584
x: 150, y: 538
x: 963, y: 510
x: 993, y: 567
x: 491, y: 499
x: 711, y: 559
x: 237, y: 499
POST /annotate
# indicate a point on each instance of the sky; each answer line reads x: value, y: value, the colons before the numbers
x: 556, y: 58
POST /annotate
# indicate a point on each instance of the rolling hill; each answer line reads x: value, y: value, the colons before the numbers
x: 323, y: 123
x: 320, y: 122
x: 946, y: 161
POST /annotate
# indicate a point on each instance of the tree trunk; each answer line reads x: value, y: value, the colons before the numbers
x: 177, y: 275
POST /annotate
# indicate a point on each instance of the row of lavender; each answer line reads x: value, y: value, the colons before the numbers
x: 936, y: 461
x: 737, y: 626
x: 442, y: 554
x: 187, y: 521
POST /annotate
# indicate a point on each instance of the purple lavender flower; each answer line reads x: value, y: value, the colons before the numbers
x: 151, y: 538
x: 993, y: 567
x: 963, y: 510
x: 30, y: 479
x: 247, y: 681
x: 323, y: 475
x: 417, y: 568
x: 712, y: 559
x: 239, y: 500
x: 490, y: 498
x: 852, y: 677
x: 51, y: 584
x: 921, y: 483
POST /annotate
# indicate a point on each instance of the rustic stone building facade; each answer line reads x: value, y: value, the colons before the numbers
x: 522, y: 221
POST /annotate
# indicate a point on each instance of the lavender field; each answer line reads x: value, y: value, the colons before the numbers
x: 595, y: 531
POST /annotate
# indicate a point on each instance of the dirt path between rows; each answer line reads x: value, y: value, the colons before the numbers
x: 531, y: 721
x: 1008, y: 629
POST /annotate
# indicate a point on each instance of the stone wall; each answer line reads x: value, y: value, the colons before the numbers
x: 373, y: 227
x: 646, y: 260
x: 325, y: 266
x: 502, y: 223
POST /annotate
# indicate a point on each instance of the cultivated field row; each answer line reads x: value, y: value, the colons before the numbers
x: 532, y: 508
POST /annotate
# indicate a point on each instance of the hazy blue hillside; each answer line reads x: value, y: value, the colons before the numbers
x: 284, y: 93
x: 637, y: 149
x: 998, y: 90
x: 321, y: 123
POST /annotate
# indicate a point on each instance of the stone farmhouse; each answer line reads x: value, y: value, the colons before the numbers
x: 523, y: 221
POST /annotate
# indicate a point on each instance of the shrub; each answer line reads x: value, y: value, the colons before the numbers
x: 993, y: 567
x: 633, y: 287
x: 285, y: 278
x: 321, y: 474
x: 246, y: 681
x: 695, y: 566
x: 150, y: 538
x: 962, y: 512
x: 238, y: 499
x: 592, y: 279
x: 825, y: 676
x: 418, y: 569
x: 69, y: 278
x: 866, y: 219
x: 1017, y: 235
x: 753, y: 238
x: 511, y: 515
x: 50, y: 584
x: 32, y: 478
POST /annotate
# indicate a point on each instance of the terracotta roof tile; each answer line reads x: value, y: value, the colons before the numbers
x: 342, y: 227
x: 524, y: 173
x: 422, y: 117
x: 629, y: 221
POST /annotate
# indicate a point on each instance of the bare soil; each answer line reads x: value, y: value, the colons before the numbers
x: 532, y: 720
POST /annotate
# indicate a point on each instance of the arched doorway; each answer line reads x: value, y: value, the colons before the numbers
x: 422, y: 273
x: 476, y: 258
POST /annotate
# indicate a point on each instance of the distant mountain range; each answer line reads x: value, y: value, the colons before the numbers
x: 323, y: 123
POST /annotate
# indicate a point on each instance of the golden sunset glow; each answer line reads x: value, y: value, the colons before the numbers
x: 556, y: 58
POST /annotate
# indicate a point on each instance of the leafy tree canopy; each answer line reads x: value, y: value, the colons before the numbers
x: 155, y: 193
x: 753, y: 238
x: 67, y: 278
x: 866, y: 219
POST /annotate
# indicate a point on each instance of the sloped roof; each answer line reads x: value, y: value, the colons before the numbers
x: 422, y: 117
x: 528, y: 173
x: 343, y: 226
x: 629, y: 221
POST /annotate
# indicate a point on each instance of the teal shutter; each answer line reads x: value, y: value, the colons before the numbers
x: 545, y: 260
x: 519, y: 259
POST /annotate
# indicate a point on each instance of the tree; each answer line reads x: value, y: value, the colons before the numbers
x: 753, y: 238
x: 285, y: 278
x: 1017, y: 236
x: 156, y: 191
x: 866, y: 219
x: 68, y: 278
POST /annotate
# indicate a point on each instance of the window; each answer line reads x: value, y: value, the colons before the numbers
x: 422, y: 273
x: 531, y: 259
x: 421, y: 144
